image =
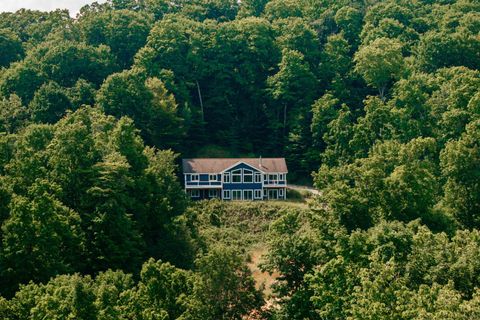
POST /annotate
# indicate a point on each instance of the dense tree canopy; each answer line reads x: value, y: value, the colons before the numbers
x: 375, y: 103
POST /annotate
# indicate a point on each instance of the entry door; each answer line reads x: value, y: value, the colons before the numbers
x: 273, y: 194
x: 247, y: 194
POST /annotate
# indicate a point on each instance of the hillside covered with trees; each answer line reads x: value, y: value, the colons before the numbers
x: 377, y: 103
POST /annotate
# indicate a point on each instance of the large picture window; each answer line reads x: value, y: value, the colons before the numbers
x: 247, y: 176
x: 237, y: 176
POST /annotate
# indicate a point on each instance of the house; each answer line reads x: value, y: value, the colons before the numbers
x: 235, y: 178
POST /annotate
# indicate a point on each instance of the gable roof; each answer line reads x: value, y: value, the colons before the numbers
x: 217, y: 165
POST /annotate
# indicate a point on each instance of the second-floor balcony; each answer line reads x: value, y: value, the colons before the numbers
x: 271, y: 183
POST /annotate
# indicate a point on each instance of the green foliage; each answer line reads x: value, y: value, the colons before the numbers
x: 33, y: 27
x: 380, y: 99
x: 10, y: 47
x: 163, y: 291
x: 110, y: 196
x: 298, y: 241
x: 395, y: 181
x: 67, y: 61
x: 147, y: 102
x: 13, y: 115
x: 49, y: 103
x: 383, y: 272
x: 21, y: 79
x: 224, y: 288
x: 41, y: 237
x: 124, y: 31
x: 459, y: 162
x: 379, y: 62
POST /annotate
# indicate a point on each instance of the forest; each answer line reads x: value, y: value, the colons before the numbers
x: 376, y: 103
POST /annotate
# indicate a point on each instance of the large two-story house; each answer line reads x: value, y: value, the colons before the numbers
x: 235, y: 178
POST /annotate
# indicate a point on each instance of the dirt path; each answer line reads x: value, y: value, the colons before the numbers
x: 304, y: 188
x: 262, y: 279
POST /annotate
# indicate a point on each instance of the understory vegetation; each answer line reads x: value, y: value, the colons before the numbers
x: 374, y: 103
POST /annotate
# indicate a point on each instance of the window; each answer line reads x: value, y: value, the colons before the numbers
x: 273, y: 194
x: 226, y: 177
x: 247, y: 194
x: 237, y: 176
x: 265, y: 194
x: 280, y: 193
x: 195, y: 193
x: 247, y: 176
x: 212, y: 177
x: 265, y: 177
x: 272, y: 178
x: 226, y: 194
x: 195, y: 177
x: 258, y: 177
x: 281, y: 177
x: 258, y: 194
x: 212, y: 193
x: 237, y: 194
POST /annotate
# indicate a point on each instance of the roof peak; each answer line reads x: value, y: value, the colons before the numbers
x: 237, y: 158
x: 216, y: 165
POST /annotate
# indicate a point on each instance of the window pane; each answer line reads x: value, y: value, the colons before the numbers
x: 236, y: 195
x: 226, y: 177
x: 247, y: 194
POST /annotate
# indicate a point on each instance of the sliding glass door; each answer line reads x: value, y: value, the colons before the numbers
x: 236, y: 194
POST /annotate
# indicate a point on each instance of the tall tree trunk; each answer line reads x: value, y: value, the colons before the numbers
x: 201, y: 100
x: 381, y: 91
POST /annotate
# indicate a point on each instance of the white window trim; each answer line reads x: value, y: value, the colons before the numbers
x: 241, y: 194
x: 215, y: 177
x: 195, y: 193
x: 227, y: 194
x: 239, y: 163
x: 227, y: 175
x: 280, y: 193
x: 259, y: 176
x: 237, y: 174
x: 251, y: 173
x: 259, y: 192
x: 248, y: 190
x: 194, y: 177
